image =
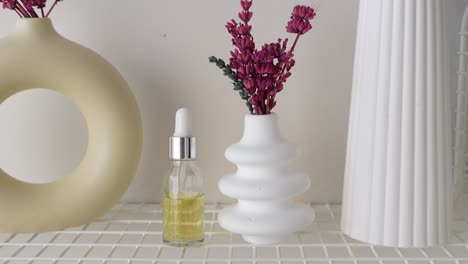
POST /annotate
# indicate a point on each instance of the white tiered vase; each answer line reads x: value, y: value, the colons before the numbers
x: 264, y: 185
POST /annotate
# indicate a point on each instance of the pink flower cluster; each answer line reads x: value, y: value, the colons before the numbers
x: 300, y: 20
x: 264, y: 71
x: 29, y: 8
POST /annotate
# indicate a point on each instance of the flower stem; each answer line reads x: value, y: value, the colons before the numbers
x: 17, y: 12
x: 267, y: 110
x: 22, y: 10
x: 295, y: 43
x: 292, y: 50
x: 31, y: 12
x: 52, y: 8
x: 42, y: 11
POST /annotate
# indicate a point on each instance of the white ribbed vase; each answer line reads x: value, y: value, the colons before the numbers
x: 398, y: 178
x: 264, y: 185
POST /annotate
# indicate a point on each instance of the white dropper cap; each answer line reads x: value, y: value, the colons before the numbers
x: 183, y: 123
x: 183, y: 145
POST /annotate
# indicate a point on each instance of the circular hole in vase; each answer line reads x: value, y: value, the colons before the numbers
x: 43, y: 136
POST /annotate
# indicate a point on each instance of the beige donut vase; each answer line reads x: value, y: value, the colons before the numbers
x: 36, y: 56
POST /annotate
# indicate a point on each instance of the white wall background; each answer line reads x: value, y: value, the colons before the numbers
x: 161, y: 47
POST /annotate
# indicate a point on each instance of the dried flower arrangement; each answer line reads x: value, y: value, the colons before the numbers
x: 29, y: 8
x: 259, y: 74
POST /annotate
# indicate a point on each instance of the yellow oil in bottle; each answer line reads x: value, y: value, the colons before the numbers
x: 183, y: 219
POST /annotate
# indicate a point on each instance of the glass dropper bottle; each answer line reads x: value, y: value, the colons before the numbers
x: 183, y: 198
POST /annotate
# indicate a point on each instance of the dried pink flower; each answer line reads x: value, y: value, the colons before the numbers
x: 10, y: 4
x: 245, y: 16
x: 259, y: 74
x: 28, y: 8
x: 300, y: 20
x: 246, y: 4
x: 39, y: 3
x: 303, y: 12
x: 298, y: 27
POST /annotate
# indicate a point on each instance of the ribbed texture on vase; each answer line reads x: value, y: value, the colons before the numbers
x: 461, y: 126
x: 398, y: 164
x: 264, y: 185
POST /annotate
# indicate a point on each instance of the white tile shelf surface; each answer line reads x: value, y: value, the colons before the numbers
x: 132, y: 233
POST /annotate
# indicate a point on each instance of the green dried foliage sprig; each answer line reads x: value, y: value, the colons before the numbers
x: 238, y: 85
